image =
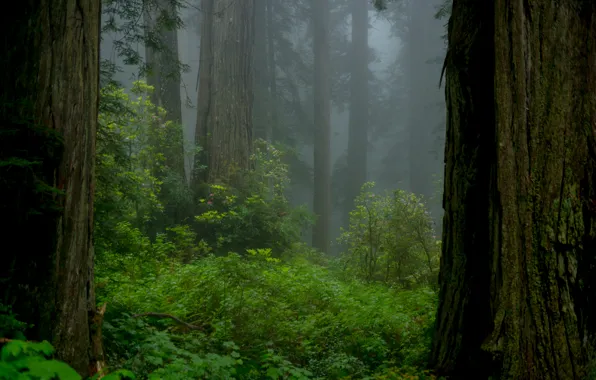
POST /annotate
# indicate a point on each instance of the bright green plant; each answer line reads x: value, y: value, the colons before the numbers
x: 28, y: 360
x: 290, y: 319
x: 390, y: 239
x: 257, y: 215
x: 135, y: 150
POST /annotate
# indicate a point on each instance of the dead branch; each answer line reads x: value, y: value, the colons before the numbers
x: 174, y: 318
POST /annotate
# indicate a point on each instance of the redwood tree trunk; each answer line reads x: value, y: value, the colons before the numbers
x: 204, y: 92
x: 359, y: 104
x: 227, y: 127
x: 322, y: 114
x: 517, y: 272
x: 164, y: 76
x: 48, y: 115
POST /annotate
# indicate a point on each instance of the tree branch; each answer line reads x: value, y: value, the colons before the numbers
x: 176, y: 319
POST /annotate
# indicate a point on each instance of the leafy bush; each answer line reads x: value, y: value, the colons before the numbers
x: 285, y: 319
x: 182, y: 306
x: 256, y: 215
x: 135, y: 150
x: 28, y: 360
x: 390, y: 239
x: 20, y: 359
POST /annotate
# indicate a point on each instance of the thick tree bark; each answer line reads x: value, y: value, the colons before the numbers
x: 322, y: 114
x: 48, y: 115
x: 227, y: 129
x: 517, y: 272
x: 359, y: 105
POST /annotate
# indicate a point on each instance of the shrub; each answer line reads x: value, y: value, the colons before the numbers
x: 390, y: 239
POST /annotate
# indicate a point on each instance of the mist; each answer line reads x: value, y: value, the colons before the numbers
x: 405, y: 114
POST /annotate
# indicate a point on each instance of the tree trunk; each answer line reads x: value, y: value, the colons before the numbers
x: 48, y: 116
x: 517, y: 278
x: 204, y: 95
x: 164, y: 73
x: 358, y: 125
x: 322, y: 115
x: 229, y: 119
x: 261, y: 105
x: 271, y: 64
x: 164, y: 76
x: 424, y: 95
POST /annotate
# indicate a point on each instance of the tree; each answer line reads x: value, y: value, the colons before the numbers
x: 162, y: 59
x: 48, y: 117
x: 358, y: 125
x: 224, y: 123
x: 205, y: 89
x: 322, y: 115
x: 519, y: 236
x: 425, y: 105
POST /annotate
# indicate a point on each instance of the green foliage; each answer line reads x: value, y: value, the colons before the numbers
x: 28, y: 360
x: 287, y: 319
x: 10, y: 327
x: 257, y: 215
x: 127, y: 20
x: 182, y: 306
x: 390, y: 239
x: 133, y: 170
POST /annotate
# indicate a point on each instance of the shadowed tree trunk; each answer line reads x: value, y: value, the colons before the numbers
x: 48, y: 114
x: 322, y: 114
x: 164, y: 75
x: 358, y: 125
x: 517, y: 272
x: 204, y: 95
x: 225, y: 118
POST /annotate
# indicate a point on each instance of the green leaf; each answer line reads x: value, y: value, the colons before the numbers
x: 273, y: 373
x: 49, y: 369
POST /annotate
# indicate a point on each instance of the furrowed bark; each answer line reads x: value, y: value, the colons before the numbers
x: 49, y: 104
x: 517, y: 279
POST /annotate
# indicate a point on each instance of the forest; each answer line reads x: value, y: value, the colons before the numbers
x: 298, y: 189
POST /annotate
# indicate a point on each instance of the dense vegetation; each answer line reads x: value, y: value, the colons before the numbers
x: 233, y: 292
x: 128, y: 254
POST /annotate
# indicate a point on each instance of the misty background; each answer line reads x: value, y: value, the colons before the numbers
x: 400, y: 98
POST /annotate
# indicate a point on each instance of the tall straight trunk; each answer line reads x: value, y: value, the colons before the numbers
x: 517, y: 278
x: 48, y: 116
x: 229, y: 120
x: 419, y: 123
x: 322, y: 115
x: 272, y: 71
x: 164, y: 76
x: 204, y: 92
x: 359, y: 104
x: 262, y: 100
x: 162, y: 59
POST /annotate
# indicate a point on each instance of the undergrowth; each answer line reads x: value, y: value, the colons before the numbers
x: 257, y: 317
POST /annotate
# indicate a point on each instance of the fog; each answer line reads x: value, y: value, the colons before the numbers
x: 406, y: 111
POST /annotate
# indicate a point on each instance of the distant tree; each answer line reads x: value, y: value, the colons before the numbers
x: 163, y: 73
x: 48, y: 118
x: 224, y: 123
x: 322, y: 115
x: 517, y: 273
x: 359, y: 106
